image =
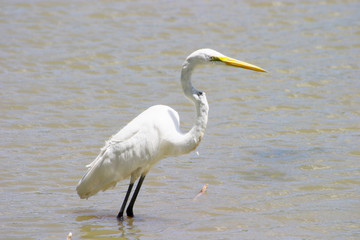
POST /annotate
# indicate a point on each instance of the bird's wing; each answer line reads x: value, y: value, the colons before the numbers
x: 126, y: 134
x: 130, y: 152
x: 126, y: 154
x: 114, y: 163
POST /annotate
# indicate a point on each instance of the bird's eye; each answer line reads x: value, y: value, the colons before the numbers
x: 212, y: 58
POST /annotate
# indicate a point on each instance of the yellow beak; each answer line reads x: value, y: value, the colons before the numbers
x: 237, y: 63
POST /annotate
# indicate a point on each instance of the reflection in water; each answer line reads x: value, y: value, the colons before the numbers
x: 107, y: 226
x: 103, y: 226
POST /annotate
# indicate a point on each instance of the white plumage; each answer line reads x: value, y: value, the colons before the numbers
x: 151, y: 136
x: 133, y: 150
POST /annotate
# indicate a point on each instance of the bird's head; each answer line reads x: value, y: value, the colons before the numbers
x: 206, y: 55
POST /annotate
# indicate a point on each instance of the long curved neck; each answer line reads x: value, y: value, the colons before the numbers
x: 186, y: 84
x: 191, y: 139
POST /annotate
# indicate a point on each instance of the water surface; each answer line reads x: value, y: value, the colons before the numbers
x: 281, y: 150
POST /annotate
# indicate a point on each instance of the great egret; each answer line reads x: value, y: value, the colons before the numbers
x: 151, y: 136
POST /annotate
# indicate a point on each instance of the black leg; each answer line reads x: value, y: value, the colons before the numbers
x: 129, y: 210
x: 120, y: 215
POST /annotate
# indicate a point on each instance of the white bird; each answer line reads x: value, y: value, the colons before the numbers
x: 151, y: 136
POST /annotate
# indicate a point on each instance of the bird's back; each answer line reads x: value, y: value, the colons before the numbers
x: 130, y: 152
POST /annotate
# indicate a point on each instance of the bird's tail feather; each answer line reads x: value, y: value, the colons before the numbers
x: 98, y: 177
